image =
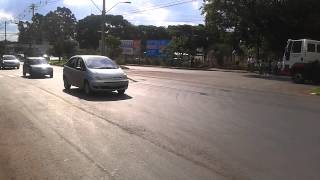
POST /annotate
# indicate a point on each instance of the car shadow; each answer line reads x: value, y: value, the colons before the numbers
x: 97, y: 96
x: 9, y: 69
x: 35, y: 77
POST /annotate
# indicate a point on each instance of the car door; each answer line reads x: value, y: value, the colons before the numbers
x: 79, y: 72
x: 25, y: 66
x: 68, y: 70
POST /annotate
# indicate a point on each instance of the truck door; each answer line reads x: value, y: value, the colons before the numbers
x: 311, y: 53
x: 296, y: 55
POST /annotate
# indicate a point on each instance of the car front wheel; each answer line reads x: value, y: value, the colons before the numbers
x: 87, y: 89
x: 67, y: 86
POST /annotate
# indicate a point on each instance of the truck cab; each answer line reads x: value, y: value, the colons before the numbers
x: 301, y: 60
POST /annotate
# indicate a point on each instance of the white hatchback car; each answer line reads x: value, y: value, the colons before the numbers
x: 94, y: 73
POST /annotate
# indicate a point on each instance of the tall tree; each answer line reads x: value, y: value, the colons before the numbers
x: 60, y: 28
x: 263, y: 24
x: 88, y: 29
x: 60, y: 25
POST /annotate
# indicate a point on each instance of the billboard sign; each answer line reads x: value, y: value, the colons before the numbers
x: 155, y: 48
x: 130, y: 47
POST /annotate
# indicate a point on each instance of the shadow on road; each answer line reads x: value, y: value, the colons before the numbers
x: 268, y: 77
x: 35, y: 77
x: 278, y: 78
x: 97, y: 96
x: 8, y: 69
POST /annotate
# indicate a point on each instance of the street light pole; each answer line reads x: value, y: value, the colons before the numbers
x: 103, y: 28
x: 103, y: 45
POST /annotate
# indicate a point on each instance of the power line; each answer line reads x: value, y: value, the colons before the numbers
x: 159, y: 7
x: 96, y: 5
x: 35, y: 6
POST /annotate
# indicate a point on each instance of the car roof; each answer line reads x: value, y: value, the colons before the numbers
x: 85, y: 57
x: 34, y: 58
x: 7, y: 55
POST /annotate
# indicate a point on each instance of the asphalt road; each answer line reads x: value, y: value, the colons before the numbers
x: 171, y: 124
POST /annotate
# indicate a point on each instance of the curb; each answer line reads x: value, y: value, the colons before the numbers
x: 197, y: 69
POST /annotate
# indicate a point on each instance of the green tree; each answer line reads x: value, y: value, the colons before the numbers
x: 36, y: 29
x: 187, y: 38
x: 87, y: 32
x: 60, y: 25
x: 24, y: 35
x: 59, y: 28
x: 262, y: 24
x: 113, y: 46
x: 88, y: 29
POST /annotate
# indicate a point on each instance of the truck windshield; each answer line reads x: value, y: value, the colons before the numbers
x: 296, y: 47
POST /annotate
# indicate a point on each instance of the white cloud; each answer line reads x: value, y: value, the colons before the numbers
x: 12, y: 32
x: 89, y: 3
x: 79, y: 2
x: 183, y: 14
x: 5, y: 16
x: 196, y: 5
x: 156, y: 17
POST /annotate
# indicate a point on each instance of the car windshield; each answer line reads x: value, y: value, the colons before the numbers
x: 9, y: 58
x: 101, y: 63
x: 37, y: 61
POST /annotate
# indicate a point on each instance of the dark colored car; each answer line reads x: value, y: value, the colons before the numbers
x: 37, y: 66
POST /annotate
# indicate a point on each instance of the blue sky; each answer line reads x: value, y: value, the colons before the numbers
x: 187, y: 13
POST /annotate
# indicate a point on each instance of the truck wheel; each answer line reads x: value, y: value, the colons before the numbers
x: 298, y: 78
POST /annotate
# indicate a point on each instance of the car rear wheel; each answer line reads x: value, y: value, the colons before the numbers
x: 18, y: 67
x: 66, y: 84
x: 87, y: 89
x: 51, y: 75
x: 121, y: 92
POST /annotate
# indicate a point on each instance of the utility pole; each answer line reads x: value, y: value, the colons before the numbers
x: 103, y: 28
x: 5, y: 36
x: 33, y: 8
x: 5, y: 31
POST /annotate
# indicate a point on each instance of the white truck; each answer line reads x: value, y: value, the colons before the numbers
x: 301, y: 60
